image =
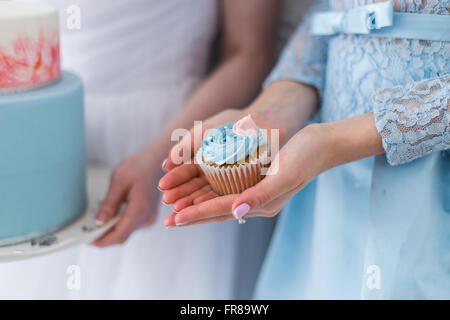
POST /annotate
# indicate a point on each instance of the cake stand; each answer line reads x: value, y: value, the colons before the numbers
x: 82, y: 230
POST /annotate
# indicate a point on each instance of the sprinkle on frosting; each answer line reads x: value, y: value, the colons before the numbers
x: 233, y: 142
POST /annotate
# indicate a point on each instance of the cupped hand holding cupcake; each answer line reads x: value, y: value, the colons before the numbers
x: 195, y: 202
x: 235, y: 142
x: 284, y: 105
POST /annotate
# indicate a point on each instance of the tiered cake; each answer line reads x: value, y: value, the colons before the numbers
x: 42, y: 148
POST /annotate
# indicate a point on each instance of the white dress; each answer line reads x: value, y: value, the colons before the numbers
x: 139, y: 60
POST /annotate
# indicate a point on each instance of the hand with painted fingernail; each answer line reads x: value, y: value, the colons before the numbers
x: 133, y: 183
x: 283, y: 105
x: 186, y: 185
x: 302, y: 158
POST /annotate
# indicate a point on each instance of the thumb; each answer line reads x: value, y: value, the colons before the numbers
x: 184, y: 150
x: 258, y: 196
x: 111, y: 204
x: 279, y: 180
x: 179, y: 152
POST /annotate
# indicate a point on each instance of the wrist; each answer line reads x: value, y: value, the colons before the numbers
x: 322, y: 136
x: 285, y: 104
x: 352, y: 139
x: 331, y: 145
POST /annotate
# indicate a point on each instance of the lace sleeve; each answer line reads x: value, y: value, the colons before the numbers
x: 413, y: 120
x: 304, y: 58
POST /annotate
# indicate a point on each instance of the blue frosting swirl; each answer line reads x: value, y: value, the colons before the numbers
x: 224, y: 146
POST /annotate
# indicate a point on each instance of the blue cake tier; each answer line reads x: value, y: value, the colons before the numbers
x: 42, y: 160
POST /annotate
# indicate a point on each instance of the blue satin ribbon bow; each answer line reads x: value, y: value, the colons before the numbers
x: 380, y: 20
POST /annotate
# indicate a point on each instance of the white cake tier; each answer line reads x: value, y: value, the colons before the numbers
x: 29, y: 46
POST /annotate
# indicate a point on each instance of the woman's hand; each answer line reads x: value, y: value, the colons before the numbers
x: 183, y: 152
x: 133, y: 182
x: 284, y: 105
x: 312, y: 150
x: 300, y: 160
x: 185, y: 182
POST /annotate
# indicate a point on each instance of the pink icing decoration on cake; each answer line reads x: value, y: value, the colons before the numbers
x: 245, y: 127
x: 32, y: 62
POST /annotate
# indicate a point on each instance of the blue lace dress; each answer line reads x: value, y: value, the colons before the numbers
x: 378, y: 227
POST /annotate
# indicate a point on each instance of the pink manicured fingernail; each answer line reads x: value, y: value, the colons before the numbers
x: 101, y: 217
x: 164, y: 163
x: 99, y: 223
x: 241, y: 210
x: 170, y: 227
x: 179, y: 224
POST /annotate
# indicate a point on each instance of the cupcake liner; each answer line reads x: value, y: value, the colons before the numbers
x: 235, y: 178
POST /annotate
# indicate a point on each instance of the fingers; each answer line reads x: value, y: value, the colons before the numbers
x: 130, y: 220
x: 191, y: 141
x: 174, y: 158
x: 269, y: 189
x: 170, y: 220
x: 210, y: 220
x: 183, y: 150
x: 178, y: 176
x: 172, y: 195
x: 256, y: 197
x: 207, y: 196
x: 212, y: 208
x: 189, y: 200
x: 116, y: 194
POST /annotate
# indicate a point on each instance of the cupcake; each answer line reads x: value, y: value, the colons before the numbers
x: 233, y: 155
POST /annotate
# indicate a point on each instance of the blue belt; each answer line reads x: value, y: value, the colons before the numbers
x: 380, y: 20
